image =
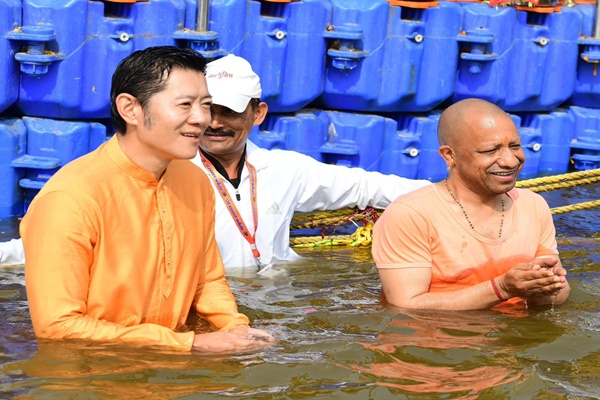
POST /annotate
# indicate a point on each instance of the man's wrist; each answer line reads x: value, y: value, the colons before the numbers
x: 496, y: 290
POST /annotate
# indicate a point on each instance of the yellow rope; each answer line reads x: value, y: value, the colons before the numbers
x: 564, y: 185
x: 362, y: 237
x: 558, y: 178
x: 575, y: 207
x: 323, y: 219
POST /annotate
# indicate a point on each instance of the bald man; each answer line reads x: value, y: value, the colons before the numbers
x: 472, y: 241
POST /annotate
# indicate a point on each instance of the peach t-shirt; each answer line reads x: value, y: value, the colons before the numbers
x: 419, y: 230
x: 112, y: 253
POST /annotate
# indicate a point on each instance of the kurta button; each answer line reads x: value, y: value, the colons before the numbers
x: 169, y: 261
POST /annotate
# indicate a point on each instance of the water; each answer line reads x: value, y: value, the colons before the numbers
x: 335, y: 340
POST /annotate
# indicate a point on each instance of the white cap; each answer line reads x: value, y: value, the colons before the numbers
x: 232, y: 83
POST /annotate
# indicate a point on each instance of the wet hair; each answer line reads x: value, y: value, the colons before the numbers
x: 145, y: 73
x: 254, y: 102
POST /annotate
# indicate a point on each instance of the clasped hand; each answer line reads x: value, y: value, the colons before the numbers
x: 541, y: 277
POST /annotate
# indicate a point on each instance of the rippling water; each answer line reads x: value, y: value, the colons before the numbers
x: 337, y: 341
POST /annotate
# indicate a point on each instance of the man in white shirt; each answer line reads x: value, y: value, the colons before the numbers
x: 258, y: 190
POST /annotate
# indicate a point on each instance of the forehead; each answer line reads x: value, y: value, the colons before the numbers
x: 187, y: 81
x: 491, y: 130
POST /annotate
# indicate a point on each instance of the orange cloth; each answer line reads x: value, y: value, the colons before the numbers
x: 112, y: 253
x: 419, y: 230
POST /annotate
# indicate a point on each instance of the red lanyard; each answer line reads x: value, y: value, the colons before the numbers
x: 230, y: 205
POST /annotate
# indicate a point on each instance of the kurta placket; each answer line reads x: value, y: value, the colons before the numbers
x: 166, y: 220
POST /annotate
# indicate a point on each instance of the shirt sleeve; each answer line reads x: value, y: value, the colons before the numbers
x: 330, y: 187
x: 214, y: 300
x: 11, y: 252
x: 401, y: 238
x: 59, y: 239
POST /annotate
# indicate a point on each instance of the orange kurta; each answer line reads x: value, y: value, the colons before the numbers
x: 112, y: 253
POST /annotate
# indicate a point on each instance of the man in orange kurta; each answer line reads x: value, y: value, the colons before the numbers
x: 120, y: 242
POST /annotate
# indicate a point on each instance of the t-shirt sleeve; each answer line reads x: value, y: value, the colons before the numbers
x: 401, y: 238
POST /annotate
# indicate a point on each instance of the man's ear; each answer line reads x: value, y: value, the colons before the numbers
x: 260, y: 113
x: 447, y: 154
x: 129, y: 108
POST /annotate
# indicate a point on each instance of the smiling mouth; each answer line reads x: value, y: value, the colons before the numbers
x: 190, y: 135
x: 505, y: 173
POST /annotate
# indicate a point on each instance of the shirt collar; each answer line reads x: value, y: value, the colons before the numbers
x: 120, y: 158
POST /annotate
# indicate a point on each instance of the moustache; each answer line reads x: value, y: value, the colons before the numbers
x: 220, y: 132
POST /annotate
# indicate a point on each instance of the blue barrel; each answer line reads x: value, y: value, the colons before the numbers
x: 515, y: 59
x: 424, y: 151
x: 531, y: 142
x: 304, y: 132
x: 357, y: 140
x: 400, y: 155
x: 73, y: 47
x: 557, y: 129
x: 10, y: 19
x: 12, y: 146
x: 587, y: 122
x: 587, y: 83
x: 390, y: 58
x: 50, y: 145
x: 282, y: 41
x: 585, y: 145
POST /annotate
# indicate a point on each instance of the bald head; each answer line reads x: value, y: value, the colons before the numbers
x: 463, y: 114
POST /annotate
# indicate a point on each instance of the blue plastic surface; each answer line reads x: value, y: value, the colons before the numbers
x: 304, y: 132
x: 557, y: 130
x: 431, y: 165
x: 390, y: 58
x: 531, y: 142
x: 12, y: 146
x: 584, y: 162
x: 519, y: 60
x: 282, y: 41
x: 50, y: 145
x: 368, y: 141
x: 356, y: 140
x: 587, y: 122
x: 74, y: 46
x: 587, y: 85
x: 10, y: 19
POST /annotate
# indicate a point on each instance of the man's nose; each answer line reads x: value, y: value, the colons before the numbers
x: 215, y: 119
x: 510, y: 158
x: 200, y: 116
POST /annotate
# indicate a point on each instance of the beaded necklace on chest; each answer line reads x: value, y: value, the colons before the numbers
x: 465, y: 213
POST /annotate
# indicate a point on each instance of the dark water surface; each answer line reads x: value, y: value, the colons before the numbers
x: 337, y: 341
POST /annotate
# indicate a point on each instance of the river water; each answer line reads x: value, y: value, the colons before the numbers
x: 336, y: 340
